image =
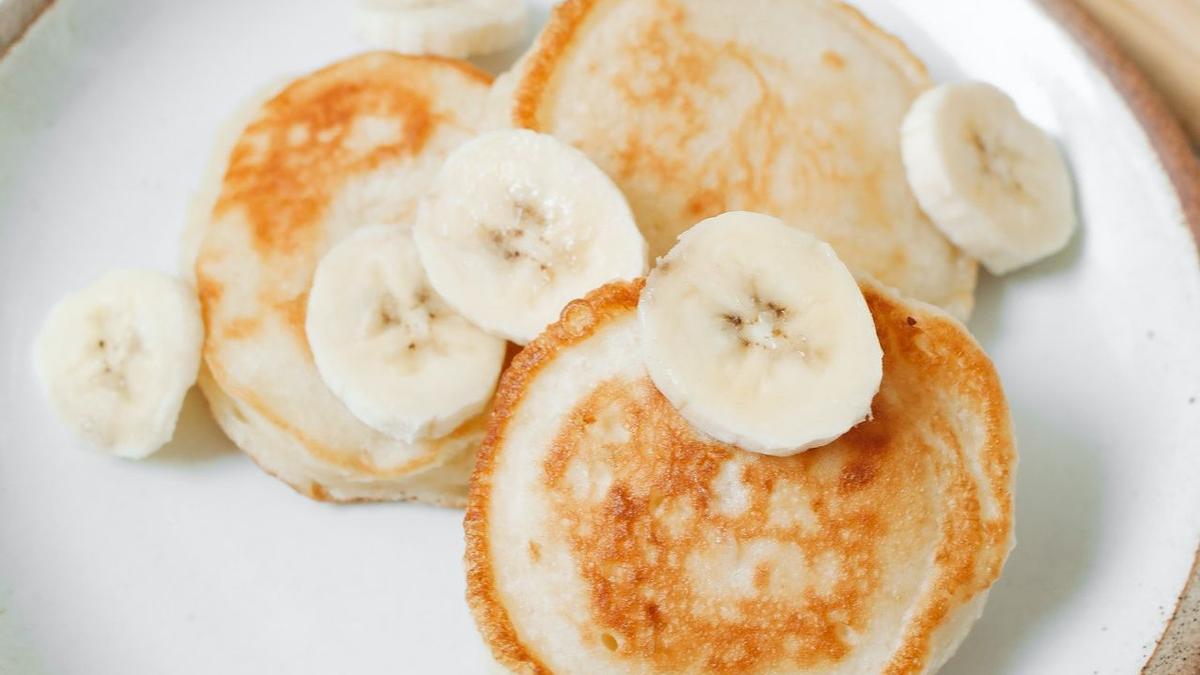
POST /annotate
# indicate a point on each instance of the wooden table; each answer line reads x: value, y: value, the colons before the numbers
x: 1163, y: 36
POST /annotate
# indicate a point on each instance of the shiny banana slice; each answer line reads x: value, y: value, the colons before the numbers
x: 388, y: 347
x: 517, y: 225
x: 759, y: 335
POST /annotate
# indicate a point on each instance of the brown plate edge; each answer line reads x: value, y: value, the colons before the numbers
x: 1179, y: 644
x: 1178, y: 649
x: 16, y: 16
x: 1163, y: 128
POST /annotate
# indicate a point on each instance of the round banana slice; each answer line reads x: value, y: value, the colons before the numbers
x: 517, y: 225
x: 117, y: 358
x: 759, y: 335
x: 453, y: 28
x: 992, y: 181
x: 388, y: 347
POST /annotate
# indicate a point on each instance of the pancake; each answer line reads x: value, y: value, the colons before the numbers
x: 350, y: 145
x: 786, y: 107
x: 605, y: 535
x: 282, y: 456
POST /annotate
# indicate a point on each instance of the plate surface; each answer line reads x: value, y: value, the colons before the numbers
x: 196, y: 562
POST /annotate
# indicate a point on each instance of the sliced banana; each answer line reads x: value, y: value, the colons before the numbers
x: 759, y: 336
x: 517, y: 225
x: 117, y: 358
x: 384, y: 343
x: 453, y: 28
x: 993, y: 182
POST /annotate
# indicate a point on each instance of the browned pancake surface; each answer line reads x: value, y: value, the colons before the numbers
x: 693, y: 120
x: 894, y: 496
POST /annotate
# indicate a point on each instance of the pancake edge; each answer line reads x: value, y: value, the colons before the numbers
x: 567, y: 19
x: 579, y: 320
x: 223, y: 407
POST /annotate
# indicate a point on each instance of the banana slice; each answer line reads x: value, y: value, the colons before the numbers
x: 759, y: 335
x: 117, y: 358
x: 453, y: 28
x: 993, y: 182
x: 517, y: 225
x: 386, y: 345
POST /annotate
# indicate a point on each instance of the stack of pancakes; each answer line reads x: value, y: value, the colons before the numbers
x: 604, y: 534
x: 353, y: 144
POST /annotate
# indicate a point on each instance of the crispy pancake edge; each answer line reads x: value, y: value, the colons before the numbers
x: 246, y: 435
x: 580, y: 320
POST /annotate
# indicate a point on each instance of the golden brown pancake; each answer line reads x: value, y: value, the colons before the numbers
x: 605, y: 535
x: 350, y: 145
x: 786, y: 107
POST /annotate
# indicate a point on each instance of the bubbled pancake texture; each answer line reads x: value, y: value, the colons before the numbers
x: 787, y: 107
x: 605, y: 535
x: 350, y: 145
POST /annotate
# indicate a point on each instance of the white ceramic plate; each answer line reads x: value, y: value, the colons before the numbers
x: 196, y: 562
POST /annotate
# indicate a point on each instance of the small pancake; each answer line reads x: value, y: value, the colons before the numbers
x: 350, y: 145
x: 786, y: 107
x: 605, y: 535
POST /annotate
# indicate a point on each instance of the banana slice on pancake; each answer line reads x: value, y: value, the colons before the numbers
x: 453, y: 28
x: 389, y: 347
x: 990, y: 179
x: 516, y: 225
x: 759, y: 335
x: 606, y: 535
x: 117, y: 358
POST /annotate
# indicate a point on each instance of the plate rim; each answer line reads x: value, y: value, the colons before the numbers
x: 1179, y: 643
